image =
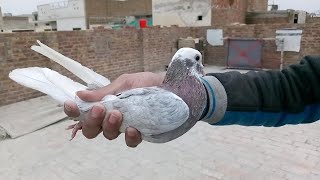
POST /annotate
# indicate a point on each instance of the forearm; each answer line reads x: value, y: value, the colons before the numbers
x: 272, y: 98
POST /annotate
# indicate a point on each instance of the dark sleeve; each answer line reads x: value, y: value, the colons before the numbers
x: 273, y: 98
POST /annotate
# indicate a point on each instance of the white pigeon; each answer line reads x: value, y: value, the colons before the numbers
x: 161, y: 114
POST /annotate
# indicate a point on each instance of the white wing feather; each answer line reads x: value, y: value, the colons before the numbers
x: 47, y: 81
x: 84, y: 73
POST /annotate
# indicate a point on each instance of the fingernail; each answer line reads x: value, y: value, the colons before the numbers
x: 79, y: 92
x: 113, y: 119
x: 97, y: 111
x: 68, y: 108
x: 131, y: 132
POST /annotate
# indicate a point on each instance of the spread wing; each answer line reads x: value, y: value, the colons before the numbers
x: 151, y: 110
x: 87, y: 75
x: 47, y: 81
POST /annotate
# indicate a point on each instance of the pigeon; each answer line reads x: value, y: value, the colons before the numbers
x: 160, y: 113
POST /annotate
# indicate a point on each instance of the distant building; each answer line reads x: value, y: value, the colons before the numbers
x: 277, y: 16
x: 115, y: 13
x: 84, y: 14
x: 182, y: 13
x: 21, y: 23
x: 256, y: 5
x: 203, y: 12
x: 63, y: 16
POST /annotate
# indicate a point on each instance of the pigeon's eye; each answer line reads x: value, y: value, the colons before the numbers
x: 197, y: 57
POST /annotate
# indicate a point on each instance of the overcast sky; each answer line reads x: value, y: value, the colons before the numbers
x: 28, y: 6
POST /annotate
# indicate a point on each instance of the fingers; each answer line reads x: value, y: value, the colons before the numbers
x: 91, y: 127
x: 133, y: 137
x: 111, y: 130
x: 94, y: 95
x: 122, y: 83
x: 112, y: 125
x: 97, y: 95
x: 71, y: 109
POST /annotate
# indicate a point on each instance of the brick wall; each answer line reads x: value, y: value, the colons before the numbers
x: 310, y: 44
x: 257, y: 5
x: 216, y: 55
x: 130, y: 8
x: 15, y: 54
x: 234, y: 11
x: 313, y: 19
x: 159, y: 45
x: 270, y: 20
x: 270, y: 17
x: 228, y: 11
x: 108, y: 8
x: 95, y: 9
x: 105, y: 11
x: 114, y: 52
x: 105, y: 51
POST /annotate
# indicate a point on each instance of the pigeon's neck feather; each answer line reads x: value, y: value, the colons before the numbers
x: 181, y: 81
x: 178, y: 70
x: 186, y: 83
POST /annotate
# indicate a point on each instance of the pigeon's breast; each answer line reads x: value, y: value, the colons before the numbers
x: 192, y: 91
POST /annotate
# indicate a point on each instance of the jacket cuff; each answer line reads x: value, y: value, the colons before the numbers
x: 217, y: 100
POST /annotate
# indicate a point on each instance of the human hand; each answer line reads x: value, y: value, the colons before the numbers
x: 96, y: 122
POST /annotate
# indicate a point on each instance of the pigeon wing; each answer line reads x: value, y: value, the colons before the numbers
x: 151, y: 110
x: 92, y: 78
x: 47, y: 81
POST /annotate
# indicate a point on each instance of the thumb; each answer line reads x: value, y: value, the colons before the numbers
x: 99, y: 94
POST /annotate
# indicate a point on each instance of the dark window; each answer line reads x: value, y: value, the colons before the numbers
x: 296, y: 17
x: 48, y: 24
x: 199, y: 18
x: 76, y: 29
x: 231, y: 2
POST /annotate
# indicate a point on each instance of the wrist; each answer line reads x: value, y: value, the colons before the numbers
x: 216, y: 100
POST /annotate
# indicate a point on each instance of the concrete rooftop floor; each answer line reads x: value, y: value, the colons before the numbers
x: 205, y: 152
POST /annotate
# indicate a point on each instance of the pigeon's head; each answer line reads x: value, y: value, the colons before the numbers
x: 190, y: 58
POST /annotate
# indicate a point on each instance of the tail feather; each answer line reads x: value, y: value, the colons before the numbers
x: 84, y: 73
x: 47, y: 81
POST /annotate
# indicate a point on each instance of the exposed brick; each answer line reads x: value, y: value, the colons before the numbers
x: 228, y: 12
x: 257, y: 5
x: 115, y: 52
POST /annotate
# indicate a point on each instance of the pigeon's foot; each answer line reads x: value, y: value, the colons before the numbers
x: 75, y: 128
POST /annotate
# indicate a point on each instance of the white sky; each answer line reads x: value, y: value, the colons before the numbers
x: 28, y: 6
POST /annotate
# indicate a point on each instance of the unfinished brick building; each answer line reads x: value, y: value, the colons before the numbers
x: 222, y: 11
x: 234, y: 11
x: 100, y: 11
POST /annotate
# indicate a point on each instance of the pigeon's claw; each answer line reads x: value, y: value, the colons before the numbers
x: 75, y: 128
